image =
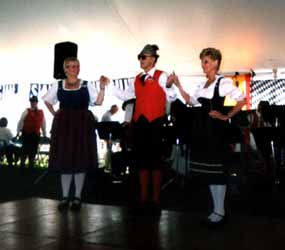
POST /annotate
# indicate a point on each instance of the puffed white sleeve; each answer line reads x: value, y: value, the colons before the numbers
x: 126, y: 94
x: 51, y: 95
x: 196, y: 94
x: 93, y: 93
x: 227, y: 88
x: 170, y: 92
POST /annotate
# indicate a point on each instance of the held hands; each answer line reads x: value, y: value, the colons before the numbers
x: 104, y: 81
x: 218, y: 115
x: 173, y: 79
x: 169, y: 81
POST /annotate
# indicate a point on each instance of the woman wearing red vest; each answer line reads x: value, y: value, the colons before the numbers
x: 152, y: 90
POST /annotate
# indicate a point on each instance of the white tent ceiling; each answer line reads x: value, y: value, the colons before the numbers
x: 110, y: 33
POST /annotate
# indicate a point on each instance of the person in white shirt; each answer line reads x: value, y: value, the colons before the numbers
x: 5, y: 133
x: 107, y: 116
x: 151, y: 89
x: 73, y: 147
x: 210, y: 146
x: 6, y: 147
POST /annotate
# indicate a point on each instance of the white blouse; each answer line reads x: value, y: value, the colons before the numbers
x: 226, y: 88
x: 51, y: 95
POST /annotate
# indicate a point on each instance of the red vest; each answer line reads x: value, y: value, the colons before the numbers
x: 150, y: 98
x: 33, y: 121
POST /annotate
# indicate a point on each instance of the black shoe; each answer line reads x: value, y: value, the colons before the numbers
x: 63, y: 204
x: 75, y: 204
x: 139, y: 209
x: 154, y: 209
x: 216, y: 224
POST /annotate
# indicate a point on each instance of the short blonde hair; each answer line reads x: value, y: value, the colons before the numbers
x: 213, y: 53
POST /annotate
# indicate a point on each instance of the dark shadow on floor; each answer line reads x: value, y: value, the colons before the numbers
x: 253, y: 194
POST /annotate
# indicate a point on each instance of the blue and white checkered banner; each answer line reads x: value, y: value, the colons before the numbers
x: 271, y: 90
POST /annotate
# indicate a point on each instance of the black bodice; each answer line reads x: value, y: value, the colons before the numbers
x: 75, y: 99
x: 216, y: 103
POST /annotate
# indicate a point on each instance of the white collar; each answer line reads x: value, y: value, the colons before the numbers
x: 150, y: 73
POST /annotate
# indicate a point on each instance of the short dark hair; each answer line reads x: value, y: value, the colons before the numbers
x: 3, y: 122
x: 33, y: 98
x: 213, y: 53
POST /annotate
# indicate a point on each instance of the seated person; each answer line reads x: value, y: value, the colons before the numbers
x: 7, y: 148
x: 262, y: 118
x: 107, y: 116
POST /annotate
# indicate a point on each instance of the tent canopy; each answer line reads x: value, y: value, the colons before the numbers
x: 111, y: 33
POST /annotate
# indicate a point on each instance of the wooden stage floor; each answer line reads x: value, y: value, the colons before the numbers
x: 35, y: 223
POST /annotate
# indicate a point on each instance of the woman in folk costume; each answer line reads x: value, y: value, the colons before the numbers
x: 73, y: 148
x: 152, y: 90
x: 210, y: 145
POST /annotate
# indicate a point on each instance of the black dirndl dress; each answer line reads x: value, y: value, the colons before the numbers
x: 73, y: 147
x: 209, y: 146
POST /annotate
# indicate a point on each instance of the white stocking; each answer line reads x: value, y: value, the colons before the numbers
x: 79, y: 182
x: 65, y: 184
x: 218, y: 193
x: 214, y: 198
